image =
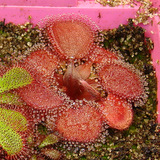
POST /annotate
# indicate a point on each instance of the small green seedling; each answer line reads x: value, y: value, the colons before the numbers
x: 49, y: 140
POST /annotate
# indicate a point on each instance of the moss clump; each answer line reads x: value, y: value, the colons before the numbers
x: 15, y: 40
x: 130, y: 41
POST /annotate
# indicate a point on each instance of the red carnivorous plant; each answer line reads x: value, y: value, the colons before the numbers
x: 83, y: 83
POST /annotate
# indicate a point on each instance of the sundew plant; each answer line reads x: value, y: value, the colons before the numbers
x: 68, y: 91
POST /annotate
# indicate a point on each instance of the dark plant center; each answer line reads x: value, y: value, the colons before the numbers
x: 77, y: 88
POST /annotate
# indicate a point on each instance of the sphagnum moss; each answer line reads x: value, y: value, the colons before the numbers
x: 15, y: 40
x: 141, y: 140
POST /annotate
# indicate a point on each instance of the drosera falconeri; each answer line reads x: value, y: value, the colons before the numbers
x: 78, y: 88
x: 71, y: 39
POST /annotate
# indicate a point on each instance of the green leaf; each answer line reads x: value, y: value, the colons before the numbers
x: 13, y: 119
x: 50, y: 139
x: 10, y: 140
x: 10, y: 98
x: 14, y: 78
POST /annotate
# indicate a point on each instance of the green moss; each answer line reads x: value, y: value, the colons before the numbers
x: 134, y: 147
x: 14, y: 41
x: 82, y: 158
x: 105, y: 158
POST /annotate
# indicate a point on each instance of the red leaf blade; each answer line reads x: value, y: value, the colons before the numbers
x: 81, y: 124
x: 117, y: 112
x: 121, y: 81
